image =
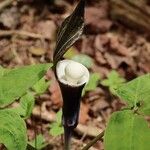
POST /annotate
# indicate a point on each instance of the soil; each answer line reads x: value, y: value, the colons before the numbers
x: 111, y: 45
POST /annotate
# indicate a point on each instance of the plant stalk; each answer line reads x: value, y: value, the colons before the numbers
x: 67, y: 137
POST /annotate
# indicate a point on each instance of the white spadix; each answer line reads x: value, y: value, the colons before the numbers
x: 72, y: 73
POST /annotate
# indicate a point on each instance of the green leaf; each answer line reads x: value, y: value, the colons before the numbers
x: 127, y: 131
x: 38, y: 143
x: 17, y: 81
x: 93, y: 83
x: 70, y: 31
x: 26, y: 105
x: 59, y: 116
x: 56, y: 130
x: 41, y: 86
x: 12, y: 130
x: 83, y: 59
x: 56, y: 127
x: 137, y: 93
x: 113, y: 81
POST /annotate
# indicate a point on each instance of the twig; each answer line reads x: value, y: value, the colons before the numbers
x: 4, y: 33
x: 91, y: 143
x: 5, y: 3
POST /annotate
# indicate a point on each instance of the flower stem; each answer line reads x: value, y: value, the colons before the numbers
x: 67, y: 136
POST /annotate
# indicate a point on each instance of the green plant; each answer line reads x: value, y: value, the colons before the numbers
x: 92, y: 84
x: 12, y: 130
x: 38, y: 143
x: 113, y: 81
x: 26, y: 105
x: 88, y: 62
x: 72, y: 76
x: 127, y: 129
x: 27, y: 101
x: 16, y: 84
x: 56, y: 127
x: 84, y: 59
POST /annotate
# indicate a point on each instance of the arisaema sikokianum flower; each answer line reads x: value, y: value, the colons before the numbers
x: 72, y: 76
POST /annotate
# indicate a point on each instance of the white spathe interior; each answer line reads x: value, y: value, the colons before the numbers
x: 72, y: 73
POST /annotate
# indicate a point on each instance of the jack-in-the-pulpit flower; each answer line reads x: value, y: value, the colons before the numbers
x: 72, y: 76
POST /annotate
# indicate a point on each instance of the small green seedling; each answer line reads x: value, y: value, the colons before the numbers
x: 113, y: 81
x: 84, y: 59
x: 38, y: 143
x: 93, y: 83
x: 56, y: 127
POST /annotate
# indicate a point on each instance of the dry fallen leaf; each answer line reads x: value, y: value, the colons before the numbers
x: 89, y: 130
x: 37, y: 51
x: 99, y: 105
x: 56, y: 97
x: 10, y: 17
x: 96, y: 19
x: 84, y: 116
x: 47, y: 29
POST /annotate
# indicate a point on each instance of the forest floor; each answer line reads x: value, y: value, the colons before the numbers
x: 27, y: 36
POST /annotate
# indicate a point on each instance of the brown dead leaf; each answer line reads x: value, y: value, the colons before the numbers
x: 99, y: 105
x: 8, y: 56
x: 106, y: 114
x: 37, y: 51
x: 44, y: 114
x: 119, y: 48
x: 87, y: 46
x: 47, y: 29
x: 100, y: 58
x: 101, y: 41
x: 84, y: 116
x: 96, y: 21
x: 115, y: 60
x: 102, y: 70
x: 10, y: 17
x: 144, y: 59
x: 89, y: 130
x: 56, y: 97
